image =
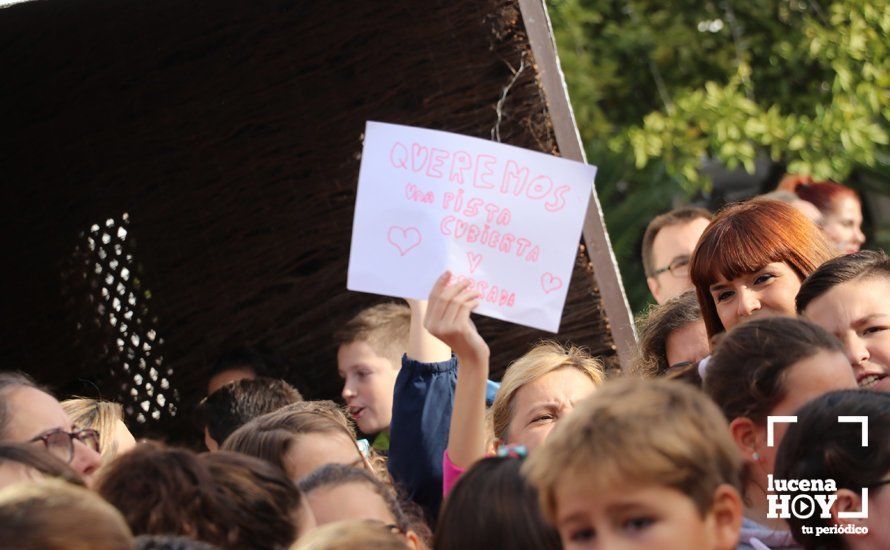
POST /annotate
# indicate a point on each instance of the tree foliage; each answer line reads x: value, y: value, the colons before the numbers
x: 657, y: 87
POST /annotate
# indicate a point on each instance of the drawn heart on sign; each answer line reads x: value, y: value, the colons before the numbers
x: 550, y: 282
x: 475, y: 260
x: 404, y: 239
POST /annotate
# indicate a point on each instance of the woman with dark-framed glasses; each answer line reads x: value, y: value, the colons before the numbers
x: 30, y: 415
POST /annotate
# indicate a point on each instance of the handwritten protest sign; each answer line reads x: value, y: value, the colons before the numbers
x: 505, y: 218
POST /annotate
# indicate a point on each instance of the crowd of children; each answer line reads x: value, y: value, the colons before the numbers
x: 761, y: 383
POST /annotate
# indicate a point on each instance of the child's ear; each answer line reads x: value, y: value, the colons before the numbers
x: 847, y: 501
x: 744, y: 433
x: 413, y: 541
x: 726, y: 512
x: 209, y: 442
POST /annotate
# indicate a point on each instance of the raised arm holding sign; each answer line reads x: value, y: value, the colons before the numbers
x: 505, y: 219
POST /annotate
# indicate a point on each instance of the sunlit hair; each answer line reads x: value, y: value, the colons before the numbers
x: 384, y: 327
x: 824, y: 195
x: 351, y: 535
x: 54, y: 515
x: 864, y: 264
x: 659, y: 322
x: 646, y: 432
x: 101, y: 416
x: 272, y: 436
x: 543, y: 359
x: 744, y: 238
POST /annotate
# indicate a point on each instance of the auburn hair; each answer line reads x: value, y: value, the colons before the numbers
x: 824, y: 195
x: 745, y: 237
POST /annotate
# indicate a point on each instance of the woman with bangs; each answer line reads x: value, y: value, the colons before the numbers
x: 751, y: 261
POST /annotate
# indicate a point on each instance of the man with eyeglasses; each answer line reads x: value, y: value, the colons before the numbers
x: 667, y: 248
x: 30, y: 415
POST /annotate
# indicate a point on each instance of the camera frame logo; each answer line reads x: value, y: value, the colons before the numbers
x: 804, y: 498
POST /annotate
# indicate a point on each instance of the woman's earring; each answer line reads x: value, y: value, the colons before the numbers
x: 756, y: 456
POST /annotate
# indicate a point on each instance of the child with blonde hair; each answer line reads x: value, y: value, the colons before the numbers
x: 641, y: 464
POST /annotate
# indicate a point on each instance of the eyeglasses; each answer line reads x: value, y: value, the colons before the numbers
x: 61, y: 443
x: 679, y: 267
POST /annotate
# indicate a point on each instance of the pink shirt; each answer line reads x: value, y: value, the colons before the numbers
x: 450, y: 474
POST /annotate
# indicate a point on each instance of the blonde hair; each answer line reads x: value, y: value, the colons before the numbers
x: 384, y: 327
x: 53, y: 514
x: 351, y: 535
x: 647, y: 432
x: 541, y: 360
x: 101, y: 416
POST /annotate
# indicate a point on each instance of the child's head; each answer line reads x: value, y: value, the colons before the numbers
x: 298, y: 442
x: 353, y: 535
x: 105, y: 417
x: 819, y: 447
x: 337, y: 492
x: 54, y: 515
x: 848, y: 297
x: 236, y: 403
x: 750, y: 261
x: 492, y: 506
x: 641, y: 464
x: 672, y: 337
x: 771, y: 367
x: 265, y: 507
x: 238, y: 364
x: 371, y: 345
x: 538, y: 389
x: 167, y: 491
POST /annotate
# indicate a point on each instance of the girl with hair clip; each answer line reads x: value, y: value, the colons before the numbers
x: 537, y: 390
x: 839, y: 205
x: 493, y: 506
x: 763, y: 368
x: 751, y: 260
x: 818, y: 447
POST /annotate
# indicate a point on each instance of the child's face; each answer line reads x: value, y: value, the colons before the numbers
x: 625, y: 517
x: 539, y: 405
x: 368, y: 383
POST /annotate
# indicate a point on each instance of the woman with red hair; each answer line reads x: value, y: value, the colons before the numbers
x: 840, y: 207
x: 751, y: 260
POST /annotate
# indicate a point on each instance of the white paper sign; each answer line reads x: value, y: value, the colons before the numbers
x: 508, y: 219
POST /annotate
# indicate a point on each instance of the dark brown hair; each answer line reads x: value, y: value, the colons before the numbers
x: 166, y: 491
x: 52, y: 514
x: 677, y: 216
x: 261, y: 500
x: 746, y: 374
x: 660, y: 321
x: 407, y: 516
x: 817, y: 446
x: 744, y: 238
x: 42, y: 461
x: 236, y: 403
x: 492, y: 506
x: 860, y: 265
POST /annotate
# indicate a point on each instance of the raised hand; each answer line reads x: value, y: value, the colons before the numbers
x: 448, y: 319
